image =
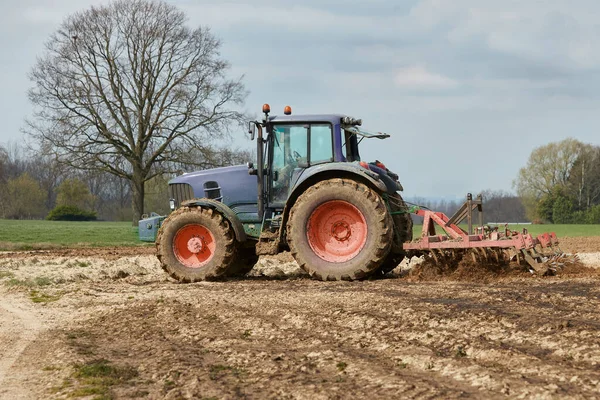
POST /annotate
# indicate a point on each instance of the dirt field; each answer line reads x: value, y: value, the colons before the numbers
x: 107, y: 323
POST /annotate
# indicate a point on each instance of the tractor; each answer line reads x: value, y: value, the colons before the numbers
x: 340, y: 217
x: 308, y: 193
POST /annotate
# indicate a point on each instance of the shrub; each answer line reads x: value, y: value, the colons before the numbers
x: 562, y: 210
x: 70, y: 213
x: 593, y: 215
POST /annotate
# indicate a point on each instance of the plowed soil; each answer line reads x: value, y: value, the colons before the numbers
x: 108, y: 323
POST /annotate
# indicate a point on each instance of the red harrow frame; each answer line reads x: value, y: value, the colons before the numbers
x: 541, y: 254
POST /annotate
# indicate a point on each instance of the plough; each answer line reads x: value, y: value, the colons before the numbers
x: 486, y: 244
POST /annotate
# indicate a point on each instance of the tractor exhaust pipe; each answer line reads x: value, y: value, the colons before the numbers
x: 260, y: 170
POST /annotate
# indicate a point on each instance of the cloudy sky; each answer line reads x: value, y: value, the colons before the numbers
x: 466, y: 88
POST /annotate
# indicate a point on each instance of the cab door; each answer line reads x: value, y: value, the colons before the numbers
x: 289, y: 146
x: 294, y: 148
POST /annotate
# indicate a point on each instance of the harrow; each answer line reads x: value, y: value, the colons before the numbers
x: 485, y: 244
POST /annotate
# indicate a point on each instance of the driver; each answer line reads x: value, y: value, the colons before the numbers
x: 285, y: 174
x: 284, y: 167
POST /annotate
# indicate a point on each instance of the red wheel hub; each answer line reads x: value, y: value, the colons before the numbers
x: 194, y: 246
x: 336, y: 231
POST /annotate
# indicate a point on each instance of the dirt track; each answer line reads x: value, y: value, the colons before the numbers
x: 285, y: 336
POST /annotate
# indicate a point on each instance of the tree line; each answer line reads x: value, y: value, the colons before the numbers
x: 499, y: 206
x: 561, y: 183
x: 32, y: 184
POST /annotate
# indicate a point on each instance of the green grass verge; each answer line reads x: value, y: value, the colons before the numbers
x: 41, y: 297
x: 562, y: 230
x: 32, y: 235
x: 96, y: 378
x: 567, y: 230
x: 29, y: 283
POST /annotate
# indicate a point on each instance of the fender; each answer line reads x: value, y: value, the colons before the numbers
x: 341, y: 170
x: 227, y: 212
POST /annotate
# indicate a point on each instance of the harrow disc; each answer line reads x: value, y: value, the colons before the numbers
x: 537, y: 261
x: 559, y: 261
x: 548, y: 261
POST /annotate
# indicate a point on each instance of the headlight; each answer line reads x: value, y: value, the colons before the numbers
x: 351, y: 121
x: 172, y: 204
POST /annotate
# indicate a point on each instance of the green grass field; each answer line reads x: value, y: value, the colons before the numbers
x: 27, y: 235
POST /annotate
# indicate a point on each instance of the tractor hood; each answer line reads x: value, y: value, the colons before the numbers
x: 222, y: 171
x: 230, y: 185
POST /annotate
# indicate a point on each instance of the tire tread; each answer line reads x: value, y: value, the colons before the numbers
x: 383, y: 224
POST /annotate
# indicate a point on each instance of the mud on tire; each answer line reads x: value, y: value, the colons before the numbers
x: 215, y: 239
x: 361, y: 216
x: 403, y: 226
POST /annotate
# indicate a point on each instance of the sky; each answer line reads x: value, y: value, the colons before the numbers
x: 466, y: 88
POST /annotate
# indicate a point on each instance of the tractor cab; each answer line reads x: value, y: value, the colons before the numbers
x: 296, y: 146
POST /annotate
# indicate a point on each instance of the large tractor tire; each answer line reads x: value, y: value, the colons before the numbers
x: 195, y: 244
x: 339, y: 229
x: 403, y: 232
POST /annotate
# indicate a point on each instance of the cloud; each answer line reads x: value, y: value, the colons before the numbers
x: 456, y: 72
x: 35, y: 12
x: 417, y: 77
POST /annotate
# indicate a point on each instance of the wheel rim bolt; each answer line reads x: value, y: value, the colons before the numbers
x: 195, y: 245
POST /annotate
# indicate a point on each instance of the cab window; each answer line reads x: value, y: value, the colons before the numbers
x: 321, y: 143
x: 290, y: 143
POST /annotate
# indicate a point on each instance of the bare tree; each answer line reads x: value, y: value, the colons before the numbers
x: 3, y: 180
x: 502, y: 206
x: 3, y: 164
x: 25, y: 198
x: 130, y: 82
x: 48, y: 173
x: 214, y: 157
x: 16, y: 159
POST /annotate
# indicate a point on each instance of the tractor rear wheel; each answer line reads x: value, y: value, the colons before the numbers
x: 403, y: 232
x: 339, y: 229
x: 195, y: 244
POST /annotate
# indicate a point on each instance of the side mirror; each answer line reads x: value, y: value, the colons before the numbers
x: 251, y: 169
x: 252, y: 129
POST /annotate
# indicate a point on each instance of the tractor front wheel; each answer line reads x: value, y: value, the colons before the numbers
x: 195, y: 244
x: 339, y: 229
